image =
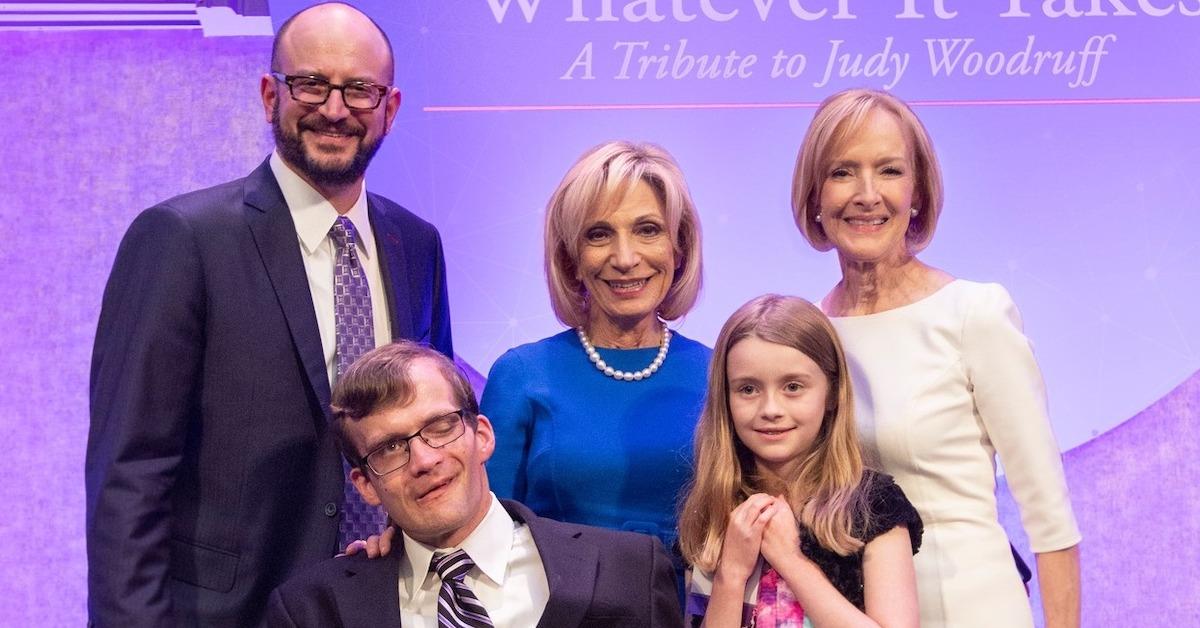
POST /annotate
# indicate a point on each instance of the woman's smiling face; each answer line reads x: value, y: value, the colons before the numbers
x: 868, y: 191
x: 627, y: 260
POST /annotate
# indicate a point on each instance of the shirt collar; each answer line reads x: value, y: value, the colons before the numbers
x: 488, y: 546
x: 313, y: 215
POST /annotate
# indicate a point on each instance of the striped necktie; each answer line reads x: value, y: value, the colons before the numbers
x: 457, y: 605
x: 355, y: 335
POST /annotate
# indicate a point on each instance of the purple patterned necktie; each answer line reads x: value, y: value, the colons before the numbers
x: 457, y: 605
x: 355, y: 333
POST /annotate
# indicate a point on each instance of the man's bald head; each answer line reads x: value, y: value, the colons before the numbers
x: 324, y: 16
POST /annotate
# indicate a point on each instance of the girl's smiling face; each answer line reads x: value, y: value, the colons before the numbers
x: 777, y: 400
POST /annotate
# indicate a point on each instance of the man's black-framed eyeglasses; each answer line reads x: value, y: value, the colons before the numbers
x: 437, y: 433
x: 311, y: 90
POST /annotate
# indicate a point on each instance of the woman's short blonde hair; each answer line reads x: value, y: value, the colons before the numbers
x: 839, y: 117
x: 598, y: 182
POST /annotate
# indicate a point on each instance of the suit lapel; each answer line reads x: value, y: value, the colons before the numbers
x: 393, y: 267
x: 369, y: 592
x: 570, y: 569
x: 275, y: 236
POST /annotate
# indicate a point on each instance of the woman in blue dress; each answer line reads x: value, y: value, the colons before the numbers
x: 594, y: 424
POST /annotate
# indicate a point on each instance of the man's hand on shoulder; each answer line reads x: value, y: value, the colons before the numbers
x: 375, y: 546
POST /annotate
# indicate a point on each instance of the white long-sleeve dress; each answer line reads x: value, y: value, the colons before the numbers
x: 942, y: 386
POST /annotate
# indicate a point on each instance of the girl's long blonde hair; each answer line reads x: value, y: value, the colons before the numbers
x: 824, y: 491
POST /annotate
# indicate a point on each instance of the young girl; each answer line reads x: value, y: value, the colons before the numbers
x: 779, y: 476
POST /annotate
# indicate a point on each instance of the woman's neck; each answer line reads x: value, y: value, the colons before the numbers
x: 870, y: 287
x: 604, y: 331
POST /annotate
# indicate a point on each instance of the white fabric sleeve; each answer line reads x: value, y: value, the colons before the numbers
x: 1010, y: 398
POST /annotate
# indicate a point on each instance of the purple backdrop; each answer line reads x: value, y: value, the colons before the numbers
x: 1077, y: 198
x: 100, y: 126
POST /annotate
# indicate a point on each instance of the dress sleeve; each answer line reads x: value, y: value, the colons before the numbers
x: 507, y: 405
x: 1010, y: 398
x: 889, y: 508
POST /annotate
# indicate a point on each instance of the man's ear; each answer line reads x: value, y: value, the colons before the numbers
x: 266, y: 88
x: 485, y: 438
x: 364, y: 487
x: 391, y: 104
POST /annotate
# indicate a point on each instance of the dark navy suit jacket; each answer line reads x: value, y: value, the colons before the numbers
x: 597, y: 577
x: 211, y: 476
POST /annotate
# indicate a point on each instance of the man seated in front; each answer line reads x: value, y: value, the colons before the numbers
x: 407, y: 421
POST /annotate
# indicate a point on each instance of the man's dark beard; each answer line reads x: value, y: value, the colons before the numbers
x: 291, y: 147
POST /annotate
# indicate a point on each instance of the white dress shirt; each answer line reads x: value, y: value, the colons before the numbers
x: 314, y: 217
x: 508, y: 576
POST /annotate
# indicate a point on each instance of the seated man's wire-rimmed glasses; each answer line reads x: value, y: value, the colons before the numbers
x: 310, y: 90
x: 437, y: 433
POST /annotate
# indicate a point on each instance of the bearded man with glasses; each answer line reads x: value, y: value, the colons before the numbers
x: 230, y: 313
x: 407, y: 421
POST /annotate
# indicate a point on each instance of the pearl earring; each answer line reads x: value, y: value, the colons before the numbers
x: 913, y: 212
x: 817, y: 217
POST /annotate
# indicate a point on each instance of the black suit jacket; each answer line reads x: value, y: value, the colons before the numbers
x: 211, y: 476
x: 597, y: 577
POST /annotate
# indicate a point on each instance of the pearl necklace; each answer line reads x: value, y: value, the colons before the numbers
x: 628, y: 376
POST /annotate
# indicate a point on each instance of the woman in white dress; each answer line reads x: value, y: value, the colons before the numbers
x: 944, y: 377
